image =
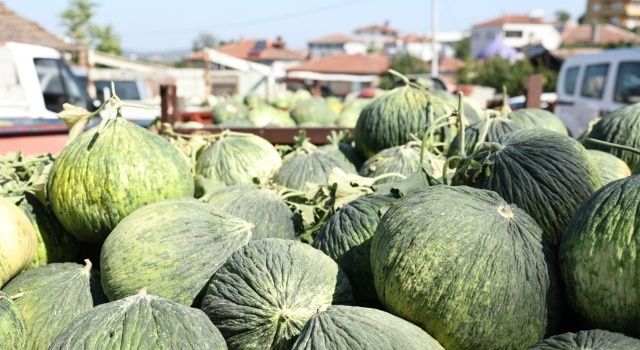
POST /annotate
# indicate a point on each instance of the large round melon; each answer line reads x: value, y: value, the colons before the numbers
x: 403, y: 160
x: 140, y: 321
x: 12, y: 332
x: 263, y: 208
x: 609, y: 167
x: 265, y: 115
x: 313, y: 111
x: 490, y: 129
x: 348, y: 117
x: 55, y: 244
x: 599, y: 258
x: 171, y: 248
x: 264, y: 294
x: 596, y: 339
x: 391, y: 119
x: 536, y: 118
x: 346, y: 238
x: 238, y: 158
x: 358, y: 328
x: 543, y: 172
x: 308, y: 168
x: 472, y: 110
x: 50, y: 297
x: 17, y: 240
x: 110, y: 171
x: 345, y: 151
x: 621, y: 126
x: 472, y: 270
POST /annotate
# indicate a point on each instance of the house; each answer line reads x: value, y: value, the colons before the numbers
x: 421, y: 46
x: 21, y: 30
x: 597, y: 35
x: 516, y: 31
x: 335, y: 43
x: 376, y: 36
x: 624, y: 13
x: 339, y: 74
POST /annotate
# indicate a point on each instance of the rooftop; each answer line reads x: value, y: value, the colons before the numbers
x: 598, y: 34
x: 377, y: 28
x: 19, y: 29
x: 511, y: 19
x: 335, y: 38
x: 261, y: 50
x: 346, y: 64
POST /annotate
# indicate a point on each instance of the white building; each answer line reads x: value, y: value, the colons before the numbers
x: 335, y: 44
x: 376, y: 36
x: 516, y: 31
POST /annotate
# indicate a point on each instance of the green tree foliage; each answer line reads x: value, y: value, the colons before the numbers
x: 563, y: 16
x: 463, y: 48
x: 77, y: 19
x: 497, y: 72
x: 405, y: 64
x: 204, y: 40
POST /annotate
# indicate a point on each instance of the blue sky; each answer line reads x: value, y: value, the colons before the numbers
x: 152, y: 26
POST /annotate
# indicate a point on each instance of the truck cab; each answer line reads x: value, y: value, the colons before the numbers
x: 35, y: 82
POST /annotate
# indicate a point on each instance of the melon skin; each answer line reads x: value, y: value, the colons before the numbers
x: 346, y: 238
x: 599, y: 258
x: 537, y: 118
x: 51, y: 296
x: 12, y: 330
x: 472, y: 270
x: 622, y: 127
x: 404, y: 160
x: 543, y: 172
x: 595, y: 339
x: 140, y: 321
x: 108, y: 172
x: 390, y: 119
x: 263, y: 208
x: 238, y: 158
x: 18, y: 240
x: 358, y: 328
x: 609, y: 167
x: 313, y: 111
x: 263, y: 295
x: 166, y: 242
x: 494, y: 128
x: 314, y: 168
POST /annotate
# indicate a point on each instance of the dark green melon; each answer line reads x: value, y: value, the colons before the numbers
x: 403, y: 160
x: 110, y: 171
x: 472, y: 111
x: 309, y: 167
x: 543, y: 172
x: 313, y: 110
x: 346, y: 238
x: 621, y: 126
x: 358, y: 328
x: 264, y: 294
x: 346, y: 152
x: 238, y: 158
x: 391, y: 119
x: 140, y: 321
x: 12, y: 330
x: 599, y: 258
x: 171, y: 248
x: 263, y: 208
x: 472, y: 270
x: 489, y: 130
x: 55, y: 244
x: 51, y: 296
x: 609, y: 167
x: 596, y: 339
x: 537, y: 118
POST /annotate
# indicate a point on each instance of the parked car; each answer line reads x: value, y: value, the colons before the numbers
x: 592, y: 85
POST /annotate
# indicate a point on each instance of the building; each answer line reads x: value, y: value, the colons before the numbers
x: 376, y: 36
x: 624, y: 13
x: 339, y: 74
x: 267, y: 52
x: 335, y: 43
x: 21, y: 30
x: 597, y: 35
x: 516, y: 31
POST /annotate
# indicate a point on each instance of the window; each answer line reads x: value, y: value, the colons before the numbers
x: 616, y: 7
x: 58, y: 84
x: 489, y: 35
x: 513, y: 34
x: 628, y: 83
x: 570, y: 79
x: 125, y: 89
x: 594, y: 79
x: 595, y: 8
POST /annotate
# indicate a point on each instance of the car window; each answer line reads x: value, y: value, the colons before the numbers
x: 125, y: 89
x: 58, y: 84
x: 570, y: 80
x: 628, y: 83
x: 595, y: 77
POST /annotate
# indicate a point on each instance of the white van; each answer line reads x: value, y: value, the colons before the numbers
x: 593, y: 85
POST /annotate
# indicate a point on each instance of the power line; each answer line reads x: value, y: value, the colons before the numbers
x: 262, y: 20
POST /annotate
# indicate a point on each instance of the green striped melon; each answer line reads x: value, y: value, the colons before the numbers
x: 595, y: 339
x: 487, y: 130
x: 403, y: 160
x: 12, y: 332
x: 308, y: 168
x: 537, y: 118
x: 609, y: 167
x: 17, y: 240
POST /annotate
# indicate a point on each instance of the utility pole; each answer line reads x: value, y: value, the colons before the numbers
x: 434, y: 39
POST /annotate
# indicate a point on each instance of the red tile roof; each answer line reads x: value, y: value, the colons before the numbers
x: 415, y: 38
x: 380, y: 28
x: 606, y: 34
x: 332, y: 39
x: 511, y: 19
x: 346, y: 64
x: 19, y: 29
x: 450, y: 64
x: 261, y: 50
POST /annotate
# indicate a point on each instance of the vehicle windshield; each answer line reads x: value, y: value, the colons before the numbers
x: 125, y: 89
x: 58, y: 84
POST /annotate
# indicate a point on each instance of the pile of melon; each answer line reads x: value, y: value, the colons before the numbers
x: 437, y: 226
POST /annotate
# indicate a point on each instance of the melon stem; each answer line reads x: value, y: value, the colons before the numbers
x: 87, y: 265
x: 614, y: 145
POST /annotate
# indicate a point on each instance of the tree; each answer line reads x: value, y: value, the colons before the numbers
x: 77, y: 18
x: 562, y: 16
x: 463, y: 48
x: 405, y: 64
x: 204, y: 40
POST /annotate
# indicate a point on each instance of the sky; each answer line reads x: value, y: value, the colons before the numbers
x: 146, y: 26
